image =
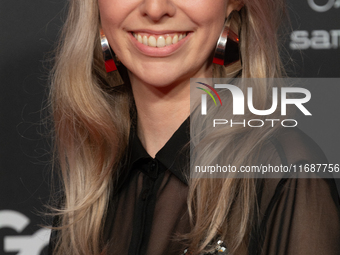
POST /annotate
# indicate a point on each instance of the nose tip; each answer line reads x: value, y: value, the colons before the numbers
x: 157, y: 9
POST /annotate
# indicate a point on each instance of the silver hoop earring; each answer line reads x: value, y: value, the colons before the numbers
x: 227, y: 49
x: 110, y: 59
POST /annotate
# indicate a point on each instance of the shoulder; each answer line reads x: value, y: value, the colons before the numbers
x: 293, y: 206
x: 294, y: 149
x: 298, y: 216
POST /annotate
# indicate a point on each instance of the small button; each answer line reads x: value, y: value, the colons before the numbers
x: 153, y: 169
x: 153, y: 165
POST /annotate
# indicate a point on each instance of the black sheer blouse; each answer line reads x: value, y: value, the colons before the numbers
x: 149, y: 209
x: 151, y: 200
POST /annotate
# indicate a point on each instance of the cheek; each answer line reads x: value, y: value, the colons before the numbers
x: 207, y: 11
x: 209, y: 17
x: 112, y: 15
x: 210, y: 21
x: 108, y: 13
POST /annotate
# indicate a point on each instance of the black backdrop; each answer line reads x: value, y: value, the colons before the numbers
x: 28, y: 33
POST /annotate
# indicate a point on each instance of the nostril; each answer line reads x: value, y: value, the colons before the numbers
x: 156, y: 10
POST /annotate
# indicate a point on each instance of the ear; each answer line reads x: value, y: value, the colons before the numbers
x: 234, y: 5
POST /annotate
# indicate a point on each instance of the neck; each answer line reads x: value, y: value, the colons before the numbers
x: 160, y: 112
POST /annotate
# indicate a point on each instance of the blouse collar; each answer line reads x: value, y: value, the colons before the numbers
x: 174, y: 155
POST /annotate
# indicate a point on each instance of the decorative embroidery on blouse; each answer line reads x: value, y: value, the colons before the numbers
x: 220, y: 249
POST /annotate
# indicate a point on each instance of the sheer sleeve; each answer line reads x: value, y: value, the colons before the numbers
x: 302, y: 218
x: 299, y: 215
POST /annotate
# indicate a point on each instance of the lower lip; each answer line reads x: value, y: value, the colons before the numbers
x: 158, y: 52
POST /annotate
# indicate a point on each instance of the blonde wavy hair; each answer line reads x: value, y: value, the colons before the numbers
x: 92, y: 119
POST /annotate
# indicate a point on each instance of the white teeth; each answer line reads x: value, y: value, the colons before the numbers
x: 152, y: 41
x: 160, y: 41
x: 168, y: 40
x: 139, y: 38
x: 145, y: 40
x: 175, y: 39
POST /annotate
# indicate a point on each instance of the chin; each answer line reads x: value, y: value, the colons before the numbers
x: 159, y: 75
x: 160, y: 80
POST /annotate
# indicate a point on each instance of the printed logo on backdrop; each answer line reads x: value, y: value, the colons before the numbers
x: 324, y: 7
x: 22, y: 244
x: 317, y: 39
x: 238, y: 100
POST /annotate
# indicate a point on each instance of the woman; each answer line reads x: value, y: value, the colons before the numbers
x: 122, y: 150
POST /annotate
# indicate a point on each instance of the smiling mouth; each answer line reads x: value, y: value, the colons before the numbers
x: 159, y: 41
